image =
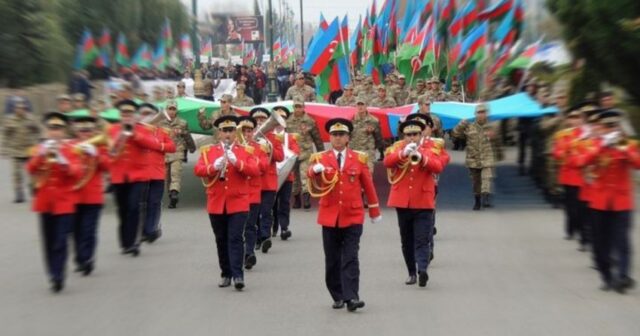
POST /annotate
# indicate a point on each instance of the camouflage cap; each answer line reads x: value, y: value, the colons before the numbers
x: 171, y: 103
x: 402, y: 77
x: 63, y: 97
x: 348, y: 87
x: 227, y: 97
x: 298, y: 100
x: 381, y: 87
x: 419, y: 81
x: 435, y: 79
x: 360, y: 99
x: 300, y: 76
x: 78, y: 96
x: 482, y: 107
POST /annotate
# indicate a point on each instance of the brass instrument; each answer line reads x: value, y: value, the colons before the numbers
x: 96, y: 140
x: 225, y: 146
x: 52, y: 153
x: 285, y: 166
x: 268, y: 126
x: 414, y: 156
x: 121, y: 141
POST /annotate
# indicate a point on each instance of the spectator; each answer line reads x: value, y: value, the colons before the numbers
x: 79, y: 83
x: 260, y: 84
x: 16, y: 96
x: 188, y: 85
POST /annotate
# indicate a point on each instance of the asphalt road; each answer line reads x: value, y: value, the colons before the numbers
x: 505, y: 271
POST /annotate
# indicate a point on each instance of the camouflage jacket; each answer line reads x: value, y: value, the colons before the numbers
x: 368, y: 95
x: 439, y: 96
x: 400, y: 95
x: 206, y: 123
x: 386, y: 102
x: 306, y: 92
x: 366, y: 135
x: 346, y: 101
x: 18, y: 135
x: 413, y: 96
x: 178, y: 131
x: 454, y: 96
x: 549, y: 125
x: 244, y: 101
x: 309, y: 134
x: 483, y: 144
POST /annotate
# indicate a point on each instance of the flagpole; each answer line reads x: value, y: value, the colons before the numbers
x: 344, y: 52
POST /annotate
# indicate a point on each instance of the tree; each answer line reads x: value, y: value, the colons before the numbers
x: 599, y: 32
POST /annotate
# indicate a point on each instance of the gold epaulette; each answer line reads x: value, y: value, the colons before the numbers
x: 393, y: 147
x: 280, y: 137
x: 362, y: 157
x: 438, y: 145
x: 295, y: 136
x: 32, y: 151
x: 249, y: 149
x: 166, y: 130
x: 204, y: 149
x: 632, y: 142
x: 316, y: 156
x: 562, y: 133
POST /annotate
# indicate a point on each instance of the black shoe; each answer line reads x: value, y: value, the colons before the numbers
x: 352, y: 305
x: 476, y: 205
x: 173, y: 199
x: 411, y: 280
x: 296, y: 202
x: 266, y: 245
x: 224, y: 282
x: 258, y: 245
x: 57, y: 286
x: 19, y: 199
x: 306, y: 201
x: 238, y: 283
x: 134, y: 251
x: 619, y: 287
x: 339, y: 304
x: 486, y: 200
x: 153, y: 237
x: 628, y: 283
x: 87, y: 269
x: 285, y: 234
x: 250, y: 261
x: 274, y: 233
x: 583, y: 248
x: 431, y: 256
x: 423, y: 277
x: 435, y: 231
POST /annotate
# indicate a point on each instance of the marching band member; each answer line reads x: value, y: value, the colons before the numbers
x: 414, y: 163
x: 273, y: 147
x: 225, y: 168
x: 337, y: 177
x: 247, y: 125
x: 90, y: 198
x: 282, y: 205
x: 156, y: 172
x: 55, y: 169
x: 614, y: 156
x: 130, y: 144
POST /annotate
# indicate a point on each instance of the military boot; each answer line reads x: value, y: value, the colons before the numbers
x: 19, y: 196
x: 296, y: 201
x: 306, y: 199
x: 486, y: 200
x: 173, y: 199
x: 476, y: 205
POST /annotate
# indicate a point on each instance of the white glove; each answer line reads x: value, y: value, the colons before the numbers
x: 219, y: 163
x: 232, y: 157
x: 409, y: 148
x: 375, y: 220
x: 61, y: 159
x: 49, y: 144
x: 89, y: 149
x: 610, y: 138
x: 586, y: 132
x: 42, y: 149
x: 318, y: 168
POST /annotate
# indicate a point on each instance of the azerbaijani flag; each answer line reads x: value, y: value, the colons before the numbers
x: 207, y: 48
x: 185, y: 44
x: 105, y: 39
x: 122, y: 54
x: 89, y: 51
x: 322, y: 48
x: 496, y: 11
x: 160, y: 56
x: 143, y: 58
x: 523, y: 61
x: 276, y: 49
x: 167, y: 36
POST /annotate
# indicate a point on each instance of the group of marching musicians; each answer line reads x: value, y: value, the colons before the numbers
x: 596, y: 161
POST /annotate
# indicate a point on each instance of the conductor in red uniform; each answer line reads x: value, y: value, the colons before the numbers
x: 225, y: 169
x: 337, y: 177
x: 412, y: 165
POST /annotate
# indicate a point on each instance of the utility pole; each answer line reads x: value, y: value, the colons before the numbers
x: 195, y: 42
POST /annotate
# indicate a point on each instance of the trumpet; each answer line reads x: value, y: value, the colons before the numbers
x: 415, y: 156
x: 96, y: 140
x: 226, y: 146
x: 118, y: 146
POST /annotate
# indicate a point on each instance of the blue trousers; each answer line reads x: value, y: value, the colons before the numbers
x: 153, y: 200
x: 342, y: 267
x: 611, y: 231
x: 55, y: 230
x: 85, y: 232
x: 251, y: 229
x: 229, y: 232
x: 128, y: 196
x: 266, y: 217
x: 416, y: 234
x: 282, y: 207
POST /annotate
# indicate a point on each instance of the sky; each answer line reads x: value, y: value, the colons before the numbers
x: 311, y: 8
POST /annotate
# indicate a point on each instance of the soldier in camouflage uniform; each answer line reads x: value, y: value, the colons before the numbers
x: 382, y: 100
x: 549, y: 125
x: 367, y: 91
x: 483, y: 150
x: 357, y: 85
x: 424, y: 105
x: 347, y: 98
x: 307, y: 93
x: 225, y: 109
x: 437, y: 93
x: 390, y: 83
x: 455, y: 95
x: 301, y: 123
x: 20, y: 132
x: 182, y: 138
x: 401, y: 92
x: 241, y: 99
x: 367, y: 135
x: 414, y: 94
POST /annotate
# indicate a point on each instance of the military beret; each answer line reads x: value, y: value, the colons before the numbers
x: 338, y: 125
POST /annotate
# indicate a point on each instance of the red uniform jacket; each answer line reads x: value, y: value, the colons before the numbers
x: 54, y: 182
x: 589, y: 172
x: 414, y: 186
x: 613, y: 185
x: 563, y: 148
x: 157, y: 169
x: 270, y: 177
x: 89, y: 188
x: 230, y: 195
x: 129, y: 164
x: 255, y: 182
x: 342, y: 205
